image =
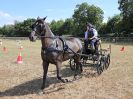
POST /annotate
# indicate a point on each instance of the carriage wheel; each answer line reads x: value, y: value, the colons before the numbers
x: 100, y: 66
x: 72, y: 64
x: 84, y: 60
x: 107, y: 61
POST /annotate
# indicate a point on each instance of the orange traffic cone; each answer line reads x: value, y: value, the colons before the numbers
x: 122, y: 49
x: 19, y: 59
x: 4, y: 49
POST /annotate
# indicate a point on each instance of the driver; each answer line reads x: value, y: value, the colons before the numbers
x: 91, y: 36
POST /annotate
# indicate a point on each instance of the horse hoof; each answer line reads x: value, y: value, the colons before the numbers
x: 75, y: 74
x: 66, y: 80
x: 81, y: 70
x: 40, y: 92
x: 74, y: 78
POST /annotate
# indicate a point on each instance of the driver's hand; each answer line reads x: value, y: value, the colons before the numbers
x: 90, y: 38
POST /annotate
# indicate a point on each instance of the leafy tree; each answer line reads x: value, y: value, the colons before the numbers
x: 18, y: 29
x: 103, y: 29
x: 23, y: 28
x: 53, y: 26
x: 68, y: 27
x: 126, y: 8
x: 7, y: 30
x: 56, y: 27
x: 86, y: 13
x: 113, y: 25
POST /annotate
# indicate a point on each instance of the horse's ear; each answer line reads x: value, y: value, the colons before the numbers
x: 44, y: 18
x: 38, y: 17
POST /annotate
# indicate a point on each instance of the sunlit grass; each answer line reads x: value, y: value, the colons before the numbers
x: 115, y: 83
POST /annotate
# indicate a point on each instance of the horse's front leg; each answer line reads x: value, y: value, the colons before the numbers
x: 58, y: 65
x: 45, y: 70
x: 81, y: 67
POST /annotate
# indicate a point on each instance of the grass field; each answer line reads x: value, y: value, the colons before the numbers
x: 23, y: 81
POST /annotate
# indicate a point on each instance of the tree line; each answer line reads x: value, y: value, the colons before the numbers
x: 118, y: 25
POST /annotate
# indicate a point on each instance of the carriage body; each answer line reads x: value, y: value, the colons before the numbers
x: 100, y: 58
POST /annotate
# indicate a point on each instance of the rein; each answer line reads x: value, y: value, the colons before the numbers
x: 54, y: 37
x: 47, y: 36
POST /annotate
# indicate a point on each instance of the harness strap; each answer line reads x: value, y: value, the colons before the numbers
x: 65, y: 46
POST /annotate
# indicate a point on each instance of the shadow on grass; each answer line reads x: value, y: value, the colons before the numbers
x: 33, y: 86
x: 89, y: 70
x: 67, y: 72
x: 30, y: 87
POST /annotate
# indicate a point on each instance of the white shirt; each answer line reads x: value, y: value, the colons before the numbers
x: 94, y: 32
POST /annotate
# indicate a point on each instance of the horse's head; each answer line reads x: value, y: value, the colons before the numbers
x: 38, y: 29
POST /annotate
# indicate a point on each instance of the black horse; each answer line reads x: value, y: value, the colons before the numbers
x: 55, y: 49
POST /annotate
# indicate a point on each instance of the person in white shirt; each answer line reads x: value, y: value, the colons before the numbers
x: 91, y: 36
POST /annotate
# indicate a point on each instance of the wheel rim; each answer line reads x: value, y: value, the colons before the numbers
x: 100, y: 66
x: 107, y: 61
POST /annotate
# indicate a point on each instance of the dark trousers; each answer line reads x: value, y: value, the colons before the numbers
x: 92, y: 44
x: 86, y: 43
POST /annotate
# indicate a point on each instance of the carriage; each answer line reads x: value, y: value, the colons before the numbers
x: 56, y: 50
x: 100, y: 57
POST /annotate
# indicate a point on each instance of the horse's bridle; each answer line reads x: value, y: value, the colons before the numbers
x: 40, y: 25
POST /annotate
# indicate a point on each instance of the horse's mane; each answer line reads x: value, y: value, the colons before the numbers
x: 48, y: 30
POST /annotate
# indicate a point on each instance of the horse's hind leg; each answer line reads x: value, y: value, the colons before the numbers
x: 58, y: 65
x: 81, y: 67
x: 78, y: 65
